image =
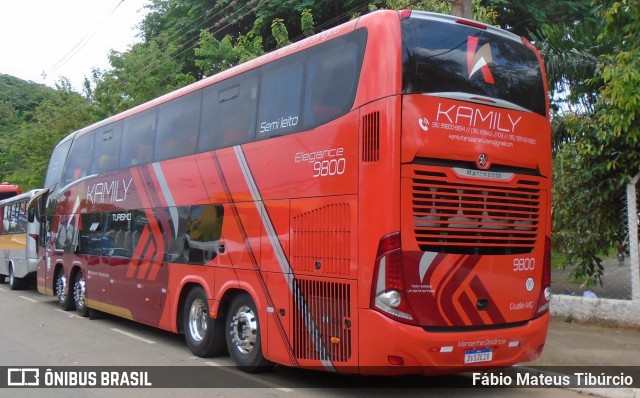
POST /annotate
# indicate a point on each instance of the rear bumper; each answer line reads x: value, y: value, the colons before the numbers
x: 429, y: 353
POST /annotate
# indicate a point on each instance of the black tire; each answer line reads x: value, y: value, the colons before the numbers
x: 62, y: 292
x: 15, y: 283
x: 204, y: 335
x: 244, y: 341
x: 2, y: 279
x: 80, y: 295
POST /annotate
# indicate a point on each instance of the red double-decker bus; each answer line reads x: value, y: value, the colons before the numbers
x: 373, y: 199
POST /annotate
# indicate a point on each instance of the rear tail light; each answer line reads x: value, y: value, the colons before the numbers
x: 388, y: 291
x: 404, y: 14
x: 471, y: 23
x: 545, y: 291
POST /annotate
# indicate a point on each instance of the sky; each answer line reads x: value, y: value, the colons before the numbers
x: 43, y: 40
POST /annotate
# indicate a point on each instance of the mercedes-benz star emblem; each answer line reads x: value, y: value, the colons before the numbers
x: 483, y: 161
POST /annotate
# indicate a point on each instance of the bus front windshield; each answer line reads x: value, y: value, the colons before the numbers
x: 445, y: 57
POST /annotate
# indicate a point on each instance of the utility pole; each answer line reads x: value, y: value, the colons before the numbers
x: 461, y: 8
x: 632, y: 217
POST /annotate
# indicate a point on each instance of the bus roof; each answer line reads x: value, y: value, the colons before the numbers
x: 27, y: 195
x: 8, y: 187
x: 292, y: 48
x: 463, y: 21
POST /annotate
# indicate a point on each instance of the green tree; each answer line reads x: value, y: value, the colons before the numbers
x: 481, y: 13
x: 144, y: 72
x: 620, y: 96
x: 213, y: 55
x: 22, y: 95
x: 33, y: 140
x: 307, y: 23
x: 524, y: 17
x: 280, y: 32
x: 603, y: 147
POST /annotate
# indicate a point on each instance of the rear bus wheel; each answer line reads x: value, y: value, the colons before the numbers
x: 62, y: 293
x: 243, y: 335
x: 79, y: 295
x: 204, y: 335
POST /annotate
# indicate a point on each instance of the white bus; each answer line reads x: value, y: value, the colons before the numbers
x: 18, y: 239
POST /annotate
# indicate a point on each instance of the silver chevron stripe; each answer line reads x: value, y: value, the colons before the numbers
x: 166, y: 192
x: 285, y: 267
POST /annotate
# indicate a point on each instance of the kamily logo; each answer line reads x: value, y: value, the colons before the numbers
x: 480, y: 60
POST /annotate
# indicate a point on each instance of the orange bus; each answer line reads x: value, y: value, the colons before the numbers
x: 372, y: 199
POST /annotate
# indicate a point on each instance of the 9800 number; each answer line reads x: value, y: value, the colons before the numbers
x: 524, y: 264
x: 329, y: 167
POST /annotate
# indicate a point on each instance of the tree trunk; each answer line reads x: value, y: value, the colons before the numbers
x: 461, y: 8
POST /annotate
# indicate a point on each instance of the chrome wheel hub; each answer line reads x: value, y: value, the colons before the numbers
x: 61, y: 288
x: 79, y: 293
x: 244, y: 329
x: 198, y: 315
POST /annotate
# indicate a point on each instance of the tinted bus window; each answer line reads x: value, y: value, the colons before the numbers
x: 8, y: 224
x: 56, y: 164
x: 117, y: 240
x: 441, y: 57
x: 79, y: 161
x: 91, y: 234
x: 332, y: 78
x: 280, y: 98
x: 138, y: 136
x: 7, y: 195
x: 203, y: 233
x: 229, y: 112
x: 178, y: 121
x: 107, y: 148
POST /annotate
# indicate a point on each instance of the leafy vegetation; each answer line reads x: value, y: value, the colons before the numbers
x: 591, y: 49
x: 597, y: 147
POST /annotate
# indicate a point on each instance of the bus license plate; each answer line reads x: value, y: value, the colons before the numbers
x: 475, y: 356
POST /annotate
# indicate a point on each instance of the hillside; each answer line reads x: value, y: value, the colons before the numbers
x: 18, y: 100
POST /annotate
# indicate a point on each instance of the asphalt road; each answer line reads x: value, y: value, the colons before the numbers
x: 34, y: 333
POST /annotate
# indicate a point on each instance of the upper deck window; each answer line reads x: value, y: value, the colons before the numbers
x: 107, y: 148
x: 137, y: 138
x: 229, y: 112
x: 280, y: 95
x: 79, y: 161
x: 177, y: 130
x: 56, y: 164
x: 442, y: 57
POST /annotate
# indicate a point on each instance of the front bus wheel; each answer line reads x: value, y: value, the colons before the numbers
x: 62, y: 291
x: 243, y: 335
x: 204, y: 335
x: 16, y: 283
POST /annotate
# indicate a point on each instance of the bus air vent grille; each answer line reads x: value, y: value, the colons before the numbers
x: 465, y: 218
x: 371, y: 137
x: 322, y: 321
x: 321, y: 239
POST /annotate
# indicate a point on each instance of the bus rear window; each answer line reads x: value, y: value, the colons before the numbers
x: 442, y: 57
